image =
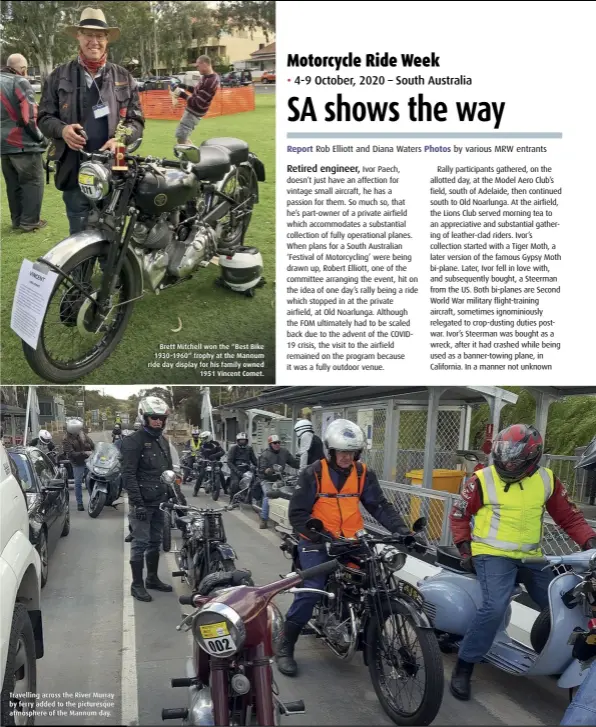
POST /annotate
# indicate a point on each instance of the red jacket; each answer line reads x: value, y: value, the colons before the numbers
x: 564, y: 512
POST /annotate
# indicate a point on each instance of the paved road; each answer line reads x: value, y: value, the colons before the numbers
x: 99, y: 640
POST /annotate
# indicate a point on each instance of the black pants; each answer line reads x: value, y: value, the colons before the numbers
x: 147, y: 534
x: 23, y: 174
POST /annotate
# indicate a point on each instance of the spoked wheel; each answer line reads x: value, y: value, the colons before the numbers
x: 216, y: 489
x: 406, y: 669
x: 240, y: 186
x: 68, y: 346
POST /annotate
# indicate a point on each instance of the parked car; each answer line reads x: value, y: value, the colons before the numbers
x: 268, y: 77
x: 233, y: 79
x: 21, y: 632
x: 47, y: 500
x: 35, y: 84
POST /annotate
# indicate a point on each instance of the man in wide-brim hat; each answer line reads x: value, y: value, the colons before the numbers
x: 81, y: 105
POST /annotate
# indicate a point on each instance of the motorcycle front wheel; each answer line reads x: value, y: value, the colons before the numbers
x: 167, y: 533
x: 66, y: 351
x: 399, y: 651
x: 96, y: 503
x: 215, y: 491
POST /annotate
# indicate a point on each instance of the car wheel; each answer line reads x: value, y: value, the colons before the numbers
x: 42, y: 549
x: 20, y: 676
x: 66, y: 528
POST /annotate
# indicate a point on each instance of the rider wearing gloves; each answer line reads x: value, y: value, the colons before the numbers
x: 209, y: 450
x: 240, y: 457
x: 77, y: 448
x: 507, y: 501
x: 145, y: 456
x: 275, y: 454
x: 310, y: 447
x: 44, y: 441
x: 331, y: 490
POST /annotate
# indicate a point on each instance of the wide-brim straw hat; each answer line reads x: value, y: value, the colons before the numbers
x: 93, y: 19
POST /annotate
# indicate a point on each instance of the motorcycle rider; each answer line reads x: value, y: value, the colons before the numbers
x: 240, y: 456
x: 116, y: 433
x: 331, y: 490
x: 507, y: 501
x: 77, y: 448
x: 275, y: 454
x: 43, y: 441
x: 310, y: 446
x: 194, y: 445
x: 145, y: 456
x: 212, y: 451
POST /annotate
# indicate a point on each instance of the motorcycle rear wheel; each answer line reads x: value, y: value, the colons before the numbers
x: 432, y: 698
x: 64, y: 305
x: 241, y: 186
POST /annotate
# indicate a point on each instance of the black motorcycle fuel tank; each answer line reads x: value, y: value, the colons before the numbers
x: 158, y: 193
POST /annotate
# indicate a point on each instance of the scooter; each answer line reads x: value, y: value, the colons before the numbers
x: 453, y: 596
x: 104, y: 478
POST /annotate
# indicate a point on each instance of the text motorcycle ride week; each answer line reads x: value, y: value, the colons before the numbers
x: 371, y: 60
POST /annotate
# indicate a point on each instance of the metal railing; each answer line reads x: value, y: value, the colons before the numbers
x: 413, y: 502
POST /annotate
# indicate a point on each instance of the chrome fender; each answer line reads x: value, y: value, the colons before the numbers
x: 70, y: 246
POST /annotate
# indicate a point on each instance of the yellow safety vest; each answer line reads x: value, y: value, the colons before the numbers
x: 510, y: 523
x: 195, y: 447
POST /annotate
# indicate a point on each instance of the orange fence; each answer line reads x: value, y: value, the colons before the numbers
x: 159, y: 104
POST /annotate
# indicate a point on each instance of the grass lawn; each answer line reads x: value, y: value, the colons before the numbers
x: 209, y: 315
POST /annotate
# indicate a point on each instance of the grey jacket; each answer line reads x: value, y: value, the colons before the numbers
x: 269, y: 458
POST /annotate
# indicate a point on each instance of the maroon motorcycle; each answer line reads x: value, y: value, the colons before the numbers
x: 235, y: 628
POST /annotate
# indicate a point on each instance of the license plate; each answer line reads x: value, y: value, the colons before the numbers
x: 407, y: 589
x: 87, y: 179
x: 217, y: 638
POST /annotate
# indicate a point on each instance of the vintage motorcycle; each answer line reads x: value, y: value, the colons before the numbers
x: 204, y: 548
x: 104, y: 478
x: 377, y: 613
x: 157, y: 222
x: 236, y: 627
x: 212, y: 478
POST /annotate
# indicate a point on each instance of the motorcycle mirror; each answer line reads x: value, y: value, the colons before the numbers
x: 188, y: 152
x: 419, y: 525
x: 315, y: 524
x: 54, y: 485
x: 134, y: 146
x: 168, y: 477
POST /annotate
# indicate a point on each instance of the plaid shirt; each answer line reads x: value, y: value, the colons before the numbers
x: 18, y: 115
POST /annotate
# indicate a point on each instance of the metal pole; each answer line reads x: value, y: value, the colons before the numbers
x: 434, y: 396
x: 30, y: 391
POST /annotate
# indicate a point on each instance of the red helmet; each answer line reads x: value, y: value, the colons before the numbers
x: 517, y: 450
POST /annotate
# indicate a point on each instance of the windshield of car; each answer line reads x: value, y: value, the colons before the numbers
x: 26, y: 478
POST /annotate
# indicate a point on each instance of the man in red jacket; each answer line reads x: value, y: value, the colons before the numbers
x: 199, y: 101
x: 507, y: 501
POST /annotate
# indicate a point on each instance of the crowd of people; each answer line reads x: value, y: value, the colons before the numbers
x: 81, y: 105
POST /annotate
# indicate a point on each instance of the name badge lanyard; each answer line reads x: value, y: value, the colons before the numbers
x: 101, y: 109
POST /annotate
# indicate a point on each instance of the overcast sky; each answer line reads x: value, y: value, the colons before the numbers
x: 118, y: 392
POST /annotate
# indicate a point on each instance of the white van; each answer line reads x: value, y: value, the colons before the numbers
x: 21, y: 633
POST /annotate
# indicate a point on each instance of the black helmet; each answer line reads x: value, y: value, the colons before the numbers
x: 517, y: 452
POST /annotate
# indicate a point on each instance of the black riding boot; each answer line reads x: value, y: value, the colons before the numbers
x: 460, y: 680
x: 285, y: 651
x: 137, y: 588
x: 152, y: 581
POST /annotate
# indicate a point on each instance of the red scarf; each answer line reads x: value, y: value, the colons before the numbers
x: 93, y: 66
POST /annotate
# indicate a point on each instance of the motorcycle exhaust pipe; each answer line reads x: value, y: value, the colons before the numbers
x: 349, y: 654
x: 221, y: 210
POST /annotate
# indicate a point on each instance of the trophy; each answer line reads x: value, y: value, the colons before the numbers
x: 120, y: 135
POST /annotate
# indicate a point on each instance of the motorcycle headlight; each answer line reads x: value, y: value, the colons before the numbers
x: 95, y: 180
x: 393, y: 558
x: 197, y: 527
x: 219, y: 630
x: 276, y: 621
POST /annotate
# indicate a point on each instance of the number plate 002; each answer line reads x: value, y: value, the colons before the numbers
x: 217, y: 639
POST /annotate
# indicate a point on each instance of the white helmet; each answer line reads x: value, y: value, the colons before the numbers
x: 153, y: 406
x: 44, y: 436
x: 343, y: 435
x: 205, y: 436
x: 303, y: 425
x: 273, y: 439
x: 74, y: 426
x: 242, y: 437
x: 196, y: 433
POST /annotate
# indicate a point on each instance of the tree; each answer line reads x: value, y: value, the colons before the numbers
x: 251, y: 16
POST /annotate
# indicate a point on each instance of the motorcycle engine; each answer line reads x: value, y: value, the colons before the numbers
x: 153, y: 238
x: 334, y: 621
x: 191, y: 248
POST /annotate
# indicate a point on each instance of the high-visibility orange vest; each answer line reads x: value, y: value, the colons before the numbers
x: 339, y: 511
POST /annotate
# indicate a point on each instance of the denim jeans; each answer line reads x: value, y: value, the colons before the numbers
x: 78, y: 472
x: 582, y: 710
x: 497, y: 577
x: 186, y: 127
x: 266, y: 488
x: 311, y: 554
x: 78, y: 208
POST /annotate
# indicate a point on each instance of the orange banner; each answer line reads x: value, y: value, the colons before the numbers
x: 159, y: 104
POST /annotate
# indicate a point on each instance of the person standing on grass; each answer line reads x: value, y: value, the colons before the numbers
x: 197, y: 102
x: 21, y: 146
x: 81, y: 105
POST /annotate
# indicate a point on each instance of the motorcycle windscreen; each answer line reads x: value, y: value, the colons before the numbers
x: 105, y: 458
x: 588, y: 459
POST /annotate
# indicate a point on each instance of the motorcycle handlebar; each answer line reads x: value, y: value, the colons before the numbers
x: 323, y: 569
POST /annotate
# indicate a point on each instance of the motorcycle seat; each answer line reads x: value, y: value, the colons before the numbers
x: 214, y: 165
x: 238, y: 149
